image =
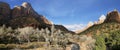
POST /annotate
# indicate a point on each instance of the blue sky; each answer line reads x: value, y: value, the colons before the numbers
x: 70, y: 12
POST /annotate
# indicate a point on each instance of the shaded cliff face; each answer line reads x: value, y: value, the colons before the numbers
x: 19, y: 14
x: 4, y: 9
x: 113, y: 16
x: 4, y: 12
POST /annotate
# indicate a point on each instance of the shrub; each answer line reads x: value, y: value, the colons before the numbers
x: 100, y: 43
x: 16, y: 38
x: 2, y: 46
x: 113, y: 40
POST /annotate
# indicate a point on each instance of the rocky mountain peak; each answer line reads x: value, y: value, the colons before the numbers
x: 23, y: 16
x: 18, y: 7
x: 18, y: 12
x: 100, y: 20
x: 113, y: 16
x: 26, y: 10
x: 26, y: 5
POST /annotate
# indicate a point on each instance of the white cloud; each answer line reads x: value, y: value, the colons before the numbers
x: 74, y: 27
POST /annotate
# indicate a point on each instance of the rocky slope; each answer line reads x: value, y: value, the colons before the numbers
x: 24, y: 15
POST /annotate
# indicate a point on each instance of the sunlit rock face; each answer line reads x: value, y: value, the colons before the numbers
x: 26, y: 10
x: 42, y: 18
x: 29, y: 10
x: 100, y: 20
x: 26, y: 5
x: 85, y: 28
x: 113, y: 16
x: 90, y: 24
x: 18, y: 11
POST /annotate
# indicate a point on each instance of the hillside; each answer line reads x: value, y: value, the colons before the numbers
x: 107, y: 34
x: 102, y: 28
x: 111, y: 23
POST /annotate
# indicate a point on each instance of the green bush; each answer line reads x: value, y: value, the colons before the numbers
x: 2, y: 46
x: 100, y: 43
x: 113, y: 40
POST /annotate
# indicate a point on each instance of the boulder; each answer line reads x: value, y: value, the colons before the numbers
x: 75, y: 47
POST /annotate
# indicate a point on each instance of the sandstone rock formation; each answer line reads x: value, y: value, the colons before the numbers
x: 23, y: 16
x: 100, y: 20
x: 113, y: 16
x: 26, y: 10
x: 17, y: 11
x: 90, y: 24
